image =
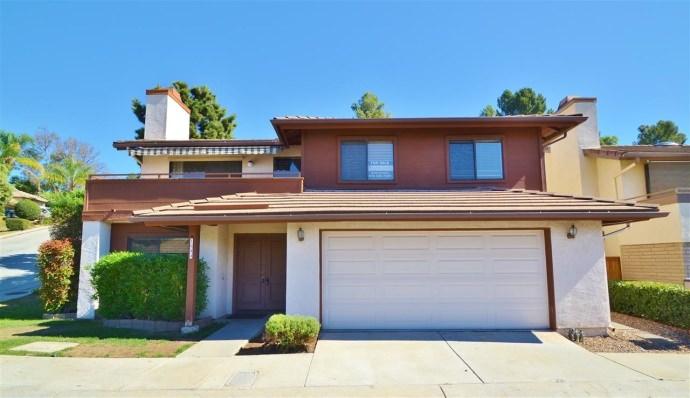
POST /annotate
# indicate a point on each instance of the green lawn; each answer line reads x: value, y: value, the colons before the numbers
x: 21, y: 323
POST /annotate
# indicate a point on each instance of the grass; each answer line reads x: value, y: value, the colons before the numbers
x: 21, y: 323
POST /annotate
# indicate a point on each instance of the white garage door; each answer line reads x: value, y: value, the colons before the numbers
x: 434, y: 279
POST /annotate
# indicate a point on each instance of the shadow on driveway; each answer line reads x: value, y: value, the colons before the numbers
x: 506, y: 336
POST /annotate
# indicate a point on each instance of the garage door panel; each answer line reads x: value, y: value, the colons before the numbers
x: 410, y: 242
x: 406, y: 293
x: 514, y: 241
x: 460, y: 242
x: 518, y: 266
x: 344, y: 267
x: 392, y: 267
x: 460, y: 266
x: 427, y: 280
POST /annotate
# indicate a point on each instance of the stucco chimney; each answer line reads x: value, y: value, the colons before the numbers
x: 587, y: 132
x: 167, y: 117
x: 568, y: 170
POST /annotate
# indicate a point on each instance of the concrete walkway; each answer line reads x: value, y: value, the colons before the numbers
x: 227, y: 341
x: 365, y: 364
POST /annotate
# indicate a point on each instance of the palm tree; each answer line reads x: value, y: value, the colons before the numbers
x: 68, y: 174
x: 13, y: 152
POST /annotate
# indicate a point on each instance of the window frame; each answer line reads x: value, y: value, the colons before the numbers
x: 474, y: 139
x: 131, y: 238
x: 392, y: 139
x: 292, y: 158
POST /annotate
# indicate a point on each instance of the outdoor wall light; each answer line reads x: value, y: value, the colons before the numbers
x: 300, y: 234
x: 572, y: 232
x: 250, y: 163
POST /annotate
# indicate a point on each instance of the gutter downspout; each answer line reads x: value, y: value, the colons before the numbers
x: 616, y: 232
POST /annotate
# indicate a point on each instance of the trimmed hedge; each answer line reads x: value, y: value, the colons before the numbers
x: 145, y: 286
x: 290, y: 332
x: 662, y: 302
x: 55, y: 266
x: 3, y: 226
x: 28, y: 210
x: 18, y: 224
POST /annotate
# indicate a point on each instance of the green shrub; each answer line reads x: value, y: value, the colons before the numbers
x: 291, y: 332
x: 65, y: 215
x: 55, y: 266
x: 145, y: 286
x: 17, y: 224
x: 27, y: 209
x: 3, y: 226
x: 663, y: 302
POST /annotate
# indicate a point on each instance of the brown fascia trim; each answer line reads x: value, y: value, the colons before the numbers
x: 172, y: 93
x: 124, y: 145
x: 615, y: 217
x: 555, y: 122
x: 631, y: 155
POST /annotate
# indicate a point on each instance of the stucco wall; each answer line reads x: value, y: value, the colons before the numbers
x: 567, y: 169
x: 95, y: 244
x: 580, y: 288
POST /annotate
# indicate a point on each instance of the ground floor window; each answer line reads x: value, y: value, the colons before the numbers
x: 158, y: 244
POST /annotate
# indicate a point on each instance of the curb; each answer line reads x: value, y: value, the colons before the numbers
x: 26, y: 231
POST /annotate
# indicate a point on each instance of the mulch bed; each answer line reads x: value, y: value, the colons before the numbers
x: 622, y: 340
x: 257, y: 346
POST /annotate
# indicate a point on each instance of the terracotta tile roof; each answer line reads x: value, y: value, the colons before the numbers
x: 493, y: 204
x: 652, y: 152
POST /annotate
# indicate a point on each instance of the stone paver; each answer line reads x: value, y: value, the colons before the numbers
x: 658, y: 365
x: 504, y: 357
x: 226, y: 341
x: 45, y: 347
x: 386, y: 358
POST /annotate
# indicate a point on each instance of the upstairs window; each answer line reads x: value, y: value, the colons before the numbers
x: 199, y: 169
x: 362, y: 160
x: 475, y: 160
x: 287, y: 167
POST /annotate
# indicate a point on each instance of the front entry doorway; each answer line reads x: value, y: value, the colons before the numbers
x: 259, y: 273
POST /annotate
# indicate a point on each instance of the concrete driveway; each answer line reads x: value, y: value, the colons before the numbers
x: 394, y: 358
x: 438, y: 364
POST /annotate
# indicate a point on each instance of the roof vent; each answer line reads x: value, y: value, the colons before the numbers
x: 667, y: 143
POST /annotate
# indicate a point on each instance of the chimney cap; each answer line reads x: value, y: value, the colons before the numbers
x: 172, y: 93
x: 574, y: 98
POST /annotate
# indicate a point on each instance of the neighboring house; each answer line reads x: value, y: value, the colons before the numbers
x: 657, y: 250
x: 413, y: 223
x: 18, y: 195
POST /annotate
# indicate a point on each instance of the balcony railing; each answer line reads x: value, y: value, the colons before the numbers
x: 195, y: 175
x: 673, y: 195
x: 116, y: 195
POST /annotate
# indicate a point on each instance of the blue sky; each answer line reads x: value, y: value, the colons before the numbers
x: 73, y: 67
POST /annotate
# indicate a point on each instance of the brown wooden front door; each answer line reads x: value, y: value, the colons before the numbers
x: 259, y: 274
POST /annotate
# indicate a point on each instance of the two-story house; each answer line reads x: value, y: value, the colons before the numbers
x: 414, y: 223
x: 657, y: 250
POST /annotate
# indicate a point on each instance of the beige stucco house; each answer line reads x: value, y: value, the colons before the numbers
x: 657, y: 250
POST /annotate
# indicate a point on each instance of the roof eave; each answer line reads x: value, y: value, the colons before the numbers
x: 606, y: 217
x: 561, y: 123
